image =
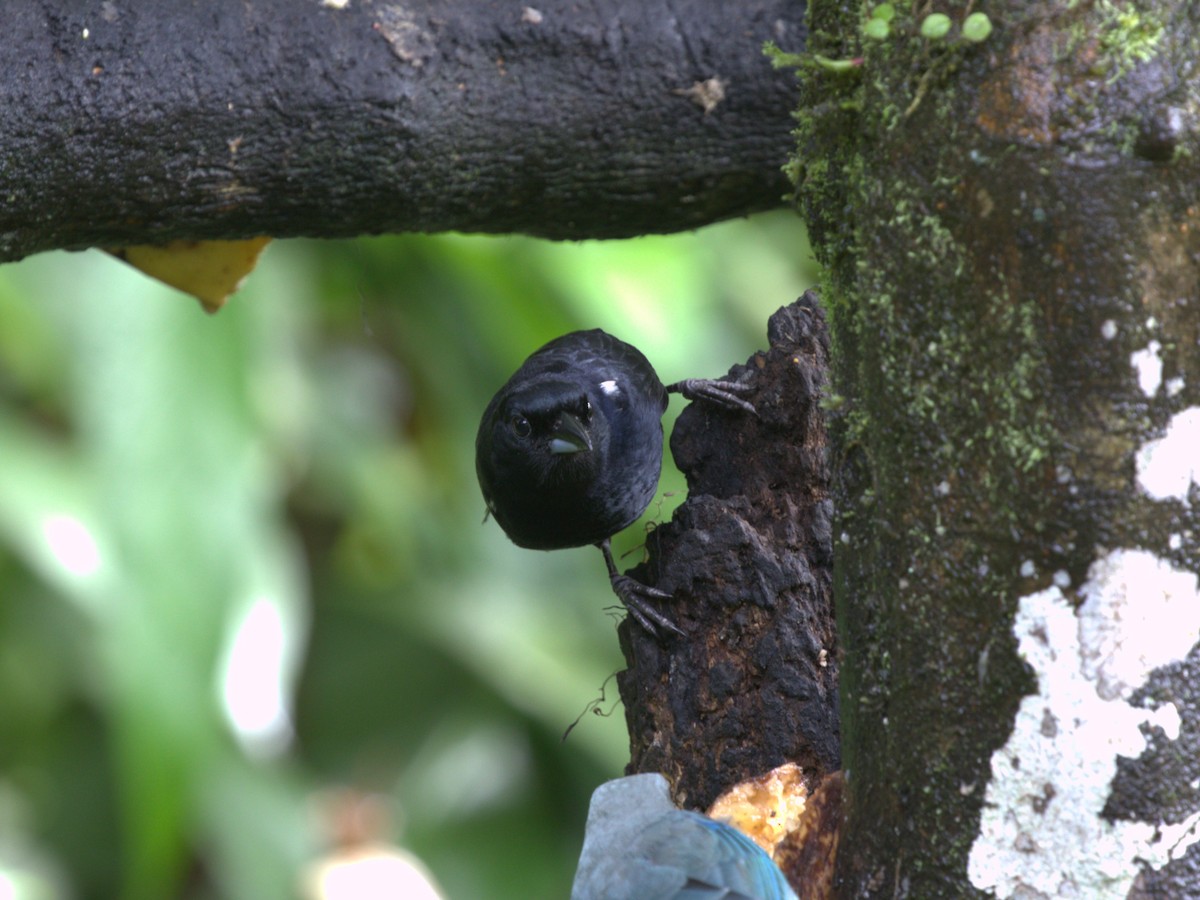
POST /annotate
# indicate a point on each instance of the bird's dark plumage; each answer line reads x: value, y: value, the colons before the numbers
x: 569, y: 450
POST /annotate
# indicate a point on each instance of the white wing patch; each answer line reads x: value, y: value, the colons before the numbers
x: 610, y: 387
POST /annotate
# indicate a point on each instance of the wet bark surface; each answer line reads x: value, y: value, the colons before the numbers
x: 747, y: 558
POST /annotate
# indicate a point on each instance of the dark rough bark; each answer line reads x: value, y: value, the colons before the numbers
x: 127, y: 123
x: 1012, y: 231
x: 808, y: 855
x: 747, y: 558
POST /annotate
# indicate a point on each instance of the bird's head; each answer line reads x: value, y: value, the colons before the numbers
x: 540, y: 435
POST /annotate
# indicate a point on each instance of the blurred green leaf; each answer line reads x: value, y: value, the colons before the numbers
x: 242, y: 561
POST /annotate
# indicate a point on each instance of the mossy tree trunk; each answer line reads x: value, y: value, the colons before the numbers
x: 1012, y: 235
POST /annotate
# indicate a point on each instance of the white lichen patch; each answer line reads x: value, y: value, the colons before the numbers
x: 1167, y: 467
x: 1149, y: 367
x: 1138, y: 613
x: 1041, y: 832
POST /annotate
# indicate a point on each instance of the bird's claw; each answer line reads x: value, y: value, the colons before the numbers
x: 715, y: 390
x: 636, y: 596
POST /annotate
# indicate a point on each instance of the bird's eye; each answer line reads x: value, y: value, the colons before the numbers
x: 521, y: 426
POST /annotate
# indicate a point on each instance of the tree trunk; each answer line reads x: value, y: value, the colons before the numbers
x: 1012, y: 235
x: 747, y: 560
x: 126, y: 123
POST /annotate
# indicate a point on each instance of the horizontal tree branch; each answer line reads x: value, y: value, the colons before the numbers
x: 133, y: 123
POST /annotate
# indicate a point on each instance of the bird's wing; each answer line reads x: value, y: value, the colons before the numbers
x: 714, y: 856
x: 620, y: 810
x: 638, y: 846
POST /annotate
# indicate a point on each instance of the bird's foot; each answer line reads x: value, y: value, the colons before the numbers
x: 714, y: 390
x: 636, y: 597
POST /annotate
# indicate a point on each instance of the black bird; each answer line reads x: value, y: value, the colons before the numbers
x: 569, y: 450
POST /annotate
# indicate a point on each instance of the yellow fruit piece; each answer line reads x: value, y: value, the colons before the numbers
x: 208, y: 270
x: 766, y: 808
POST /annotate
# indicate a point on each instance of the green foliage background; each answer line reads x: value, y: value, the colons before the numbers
x: 273, y: 511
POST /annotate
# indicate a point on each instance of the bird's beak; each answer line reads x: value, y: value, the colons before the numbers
x: 569, y: 435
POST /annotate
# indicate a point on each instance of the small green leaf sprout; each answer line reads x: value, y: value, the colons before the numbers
x: 976, y: 27
x: 936, y: 26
